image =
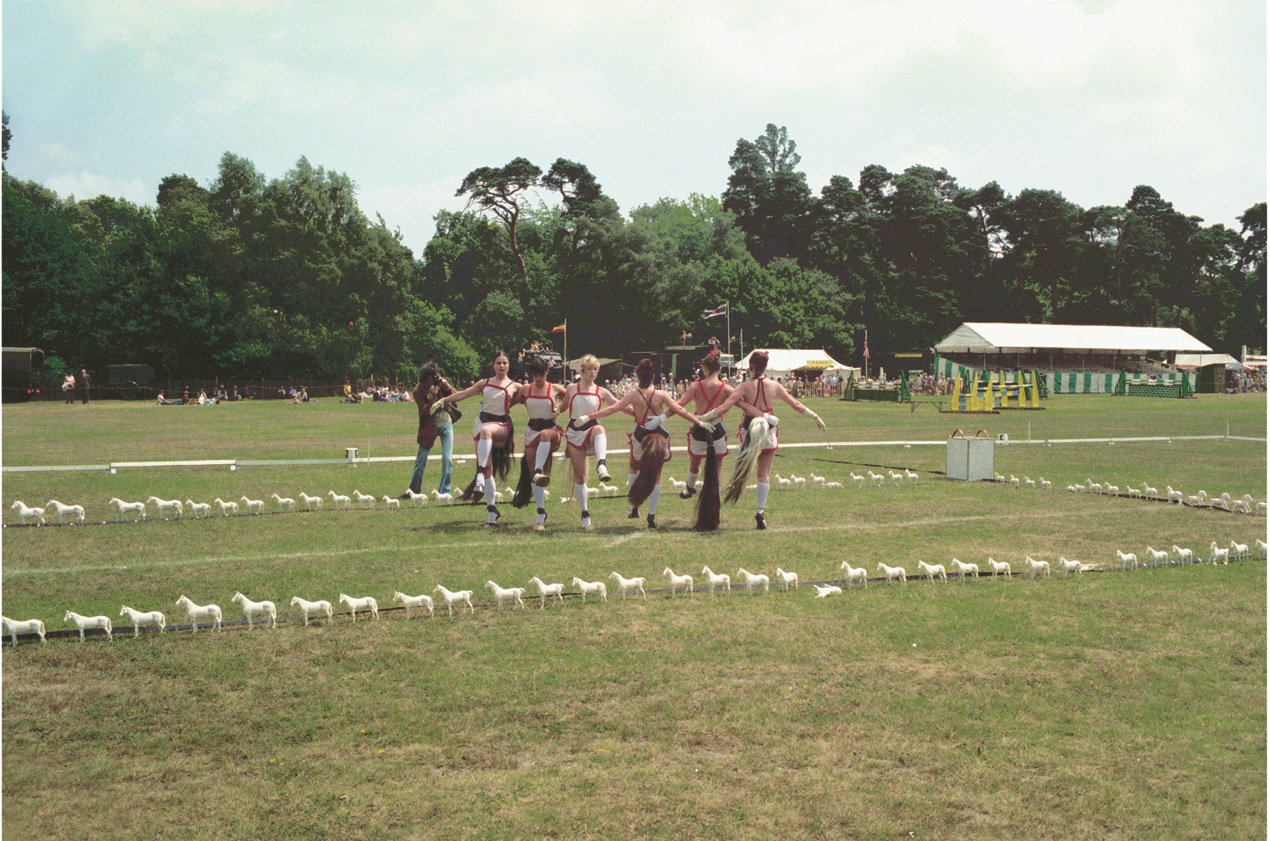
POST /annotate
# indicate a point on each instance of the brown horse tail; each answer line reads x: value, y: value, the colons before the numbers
x: 649, y: 470
x: 708, y: 504
x: 524, y: 491
x: 751, y: 446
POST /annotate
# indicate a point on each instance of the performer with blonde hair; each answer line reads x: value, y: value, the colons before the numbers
x: 582, y: 399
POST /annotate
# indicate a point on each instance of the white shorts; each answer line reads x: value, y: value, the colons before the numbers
x: 532, y: 435
x: 581, y: 439
x: 637, y: 449
x: 770, y: 444
x: 697, y: 448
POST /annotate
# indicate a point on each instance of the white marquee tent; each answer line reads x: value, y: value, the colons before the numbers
x: 1073, y: 358
x: 1001, y: 338
x: 1204, y: 360
x: 781, y: 361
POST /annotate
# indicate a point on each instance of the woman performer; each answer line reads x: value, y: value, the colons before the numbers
x: 710, y: 445
x: 432, y: 425
x: 585, y: 398
x: 542, y: 437
x: 758, y: 430
x: 492, y: 432
x: 650, y: 443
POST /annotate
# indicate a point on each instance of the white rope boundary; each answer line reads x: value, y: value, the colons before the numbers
x: 235, y: 464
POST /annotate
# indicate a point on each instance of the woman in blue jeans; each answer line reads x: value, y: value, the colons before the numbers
x: 432, y: 426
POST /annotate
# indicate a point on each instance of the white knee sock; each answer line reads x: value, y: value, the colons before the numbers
x: 600, y: 441
x: 761, y: 494
x: 692, y: 480
x: 630, y: 479
x: 540, y: 458
x: 579, y: 493
x: 491, y: 488
x: 652, y: 500
x: 540, y: 496
x: 484, y: 446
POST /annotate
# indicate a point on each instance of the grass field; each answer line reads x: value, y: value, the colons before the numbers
x: 1109, y: 705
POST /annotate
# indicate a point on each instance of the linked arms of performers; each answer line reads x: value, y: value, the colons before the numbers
x: 612, y: 409
x: 668, y: 402
x: 624, y: 405
x: 737, y: 398
x: 474, y: 388
x: 799, y: 407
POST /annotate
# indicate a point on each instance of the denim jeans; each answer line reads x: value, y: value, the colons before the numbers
x: 445, y: 434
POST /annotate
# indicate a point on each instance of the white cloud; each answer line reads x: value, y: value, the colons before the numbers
x: 409, y: 207
x: 85, y: 185
x: 57, y: 156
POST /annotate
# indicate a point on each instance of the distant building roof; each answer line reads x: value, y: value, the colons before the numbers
x: 996, y: 337
x: 784, y: 360
x: 1203, y: 360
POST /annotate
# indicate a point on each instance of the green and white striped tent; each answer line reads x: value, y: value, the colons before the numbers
x: 1061, y: 352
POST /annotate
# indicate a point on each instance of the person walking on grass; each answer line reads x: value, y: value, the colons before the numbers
x: 433, y: 426
x: 757, y: 397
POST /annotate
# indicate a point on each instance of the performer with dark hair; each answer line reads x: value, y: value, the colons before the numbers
x: 650, y: 442
x: 542, y: 436
x: 493, y: 431
x: 709, y: 445
x: 756, y: 396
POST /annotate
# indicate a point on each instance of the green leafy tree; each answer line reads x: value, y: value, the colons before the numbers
x: 1040, y: 234
x: 499, y: 190
x: 768, y: 195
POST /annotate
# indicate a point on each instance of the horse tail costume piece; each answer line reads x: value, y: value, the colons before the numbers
x: 655, y: 445
x: 708, y: 504
x: 751, y: 447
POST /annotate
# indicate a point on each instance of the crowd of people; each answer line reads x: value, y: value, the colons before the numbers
x: 585, y: 403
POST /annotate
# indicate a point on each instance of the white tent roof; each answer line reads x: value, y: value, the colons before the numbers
x: 996, y: 337
x: 784, y: 360
x: 1203, y: 360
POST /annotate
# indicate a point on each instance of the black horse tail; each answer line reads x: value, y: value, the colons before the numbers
x: 708, y: 503
x: 524, y: 487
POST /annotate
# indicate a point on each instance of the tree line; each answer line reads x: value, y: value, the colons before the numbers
x: 287, y: 278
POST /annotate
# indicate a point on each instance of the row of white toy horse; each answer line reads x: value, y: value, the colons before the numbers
x: 1245, y: 504
x: 176, y: 509
x: 267, y: 610
x: 678, y: 583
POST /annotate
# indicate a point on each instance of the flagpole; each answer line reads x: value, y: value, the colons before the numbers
x: 728, y: 305
x: 566, y: 352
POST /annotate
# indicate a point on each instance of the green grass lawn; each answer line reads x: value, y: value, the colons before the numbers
x: 1113, y: 704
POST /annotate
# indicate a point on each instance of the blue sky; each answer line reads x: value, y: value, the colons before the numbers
x: 1087, y: 98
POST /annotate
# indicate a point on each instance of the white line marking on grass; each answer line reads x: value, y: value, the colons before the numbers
x: 622, y: 538
x: 889, y: 525
x: 342, y: 553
